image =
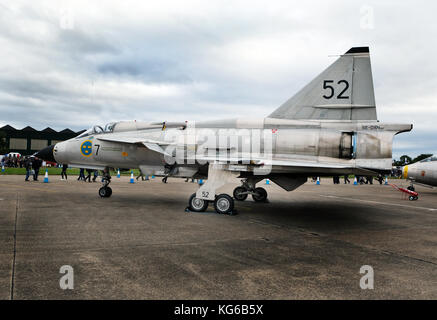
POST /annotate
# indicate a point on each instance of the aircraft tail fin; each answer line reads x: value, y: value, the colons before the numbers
x: 344, y: 91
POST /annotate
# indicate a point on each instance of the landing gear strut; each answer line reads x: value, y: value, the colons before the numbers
x: 259, y: 195
x: 105, y: 191
x: 240, y: 193
x: 248, y: 187
x: 218, y: 175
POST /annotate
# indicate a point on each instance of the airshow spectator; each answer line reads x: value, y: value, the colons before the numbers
x: 64, y: 172
x: 96, y: 174
x: 36, y: 165
x: 380, y: 178
x: 28, y: 166
x: 81, y: 174
x: 88, y: 177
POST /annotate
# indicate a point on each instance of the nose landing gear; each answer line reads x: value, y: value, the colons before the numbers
x: 105, y: 191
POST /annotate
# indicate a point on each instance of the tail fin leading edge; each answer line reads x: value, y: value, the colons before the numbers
x: 344, y: 91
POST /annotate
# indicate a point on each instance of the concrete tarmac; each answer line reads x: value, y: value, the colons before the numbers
x: 140, y: 243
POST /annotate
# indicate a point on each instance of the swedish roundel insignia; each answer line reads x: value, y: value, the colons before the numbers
x: 86, y: 148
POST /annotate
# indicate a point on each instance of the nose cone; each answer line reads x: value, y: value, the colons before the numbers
x: 46, y: 154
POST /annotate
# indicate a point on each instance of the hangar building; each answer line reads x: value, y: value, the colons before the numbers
x: 28, y: 140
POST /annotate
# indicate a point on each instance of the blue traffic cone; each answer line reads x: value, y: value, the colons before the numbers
x: 3, y: 169
x: 355, y: 181
x: 318, y: 181
x: 267, y: 181
x: 132, y: 180
x: 153, y: 177
x: 200, y: 181
x: 46, y: 177
x: 386, y: 180
x: 118, y: 173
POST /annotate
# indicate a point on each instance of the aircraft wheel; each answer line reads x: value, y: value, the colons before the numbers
x: 224, y: 204
x: 413, y: 198
x: 240, y: 193
x: 260, y: 195
x: 411, y: 188
x: 196, y: 204
x: 105, y: 192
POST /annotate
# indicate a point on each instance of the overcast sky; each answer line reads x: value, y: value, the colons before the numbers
x: 78, y: 63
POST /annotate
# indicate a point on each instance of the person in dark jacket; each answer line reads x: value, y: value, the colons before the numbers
x: 64, y: 172
x: 380, y: 178
x: 88, y: 177
x: 36, y: 165
x: 81, y: 174
x: 96, y: 174
x: 28, y: 166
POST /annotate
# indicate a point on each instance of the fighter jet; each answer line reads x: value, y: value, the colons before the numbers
x: 329, y: 127
x: 423, y: 172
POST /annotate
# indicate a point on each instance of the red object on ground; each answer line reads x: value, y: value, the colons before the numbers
x: 413, y: 195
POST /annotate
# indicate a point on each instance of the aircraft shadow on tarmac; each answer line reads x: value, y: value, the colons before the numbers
x: 328, y: 215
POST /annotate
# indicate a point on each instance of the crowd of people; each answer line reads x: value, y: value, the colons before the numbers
x: 360, y: 179
x: 82, y: 177
x: 12, y: 161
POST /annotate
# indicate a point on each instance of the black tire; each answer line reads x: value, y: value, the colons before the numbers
x: 411, y: 188
x: 223, y: 204
x: 105, y: 192
x: 239, y: 194
x: 196, y: 204
x: 109, y: 192
x: 260, y: 195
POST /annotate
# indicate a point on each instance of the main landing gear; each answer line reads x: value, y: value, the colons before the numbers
x: 105, y: 191
x: 258, y: 194
x: 223, y: 204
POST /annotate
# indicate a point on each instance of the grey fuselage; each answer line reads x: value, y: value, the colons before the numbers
x: 263, y: 146
x: 422, y: 172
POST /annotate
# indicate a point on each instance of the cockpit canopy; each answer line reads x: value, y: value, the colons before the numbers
x: 123, y: 126
x: 432, y: 158
x: 109, y: 128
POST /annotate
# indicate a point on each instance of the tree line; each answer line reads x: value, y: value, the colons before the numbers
x: 405, y: 159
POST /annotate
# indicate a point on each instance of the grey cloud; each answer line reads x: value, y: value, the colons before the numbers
x: 78, y: 42
x: 236, y: 58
